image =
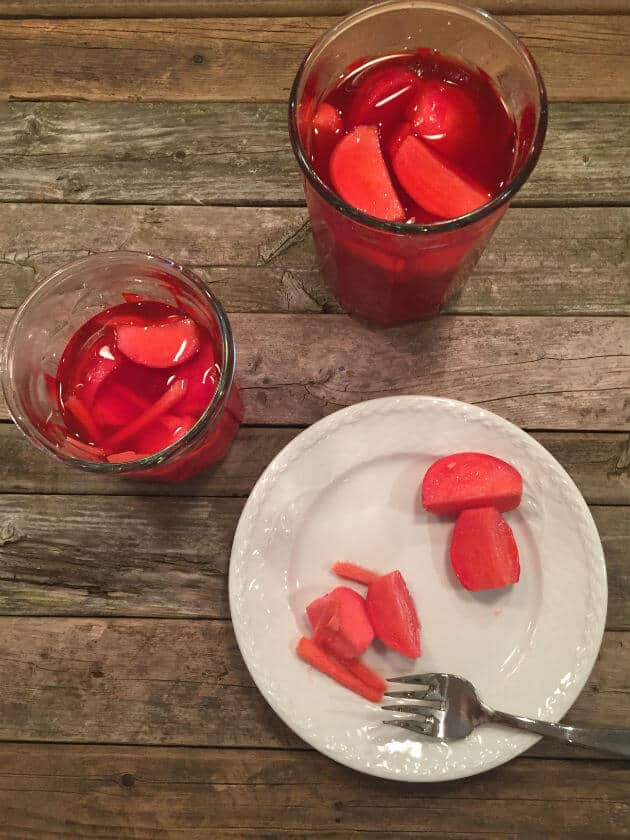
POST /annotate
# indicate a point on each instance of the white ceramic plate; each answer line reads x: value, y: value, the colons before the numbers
x: 347, y: 489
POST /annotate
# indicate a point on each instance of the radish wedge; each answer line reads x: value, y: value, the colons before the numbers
x: 366, y: 674
x: 445, y: 117
x: 360, y: 175
x: 484, y: 553
x: 340, y: 623
x: 433, y: 183
x: 469, y: 480
x: 393, y: 614
x: 169, y: 398
x: 350, y: 571
x: 382, y: 96
x: 123, y: 457
x: 164, y: 345
x: 327, y: 120
x: 319, y: 659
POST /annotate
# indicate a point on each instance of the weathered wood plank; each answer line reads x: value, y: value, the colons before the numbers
x: 242, y: 8
x: 157, y: 793
x: 61, y: 555
x: 238, y: 153
x: 583, y: 57
x: 599, y: 463
x: 540, y: 373
x: 572, y: 261
x: 182, y: 682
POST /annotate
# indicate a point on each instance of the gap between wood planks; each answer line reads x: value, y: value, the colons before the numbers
x: 273, y: 8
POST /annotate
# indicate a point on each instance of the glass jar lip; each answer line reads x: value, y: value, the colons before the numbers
x: 406, y: 228
x: 214, y: 408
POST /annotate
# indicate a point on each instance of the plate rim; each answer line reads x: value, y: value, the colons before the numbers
x: 314, y: 430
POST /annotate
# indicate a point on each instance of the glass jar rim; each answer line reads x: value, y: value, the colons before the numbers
x: 406, y: 228
x: 212, y: 411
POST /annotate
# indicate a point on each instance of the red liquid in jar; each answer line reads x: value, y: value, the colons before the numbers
x: 135, y: 378
x: 418, y: 138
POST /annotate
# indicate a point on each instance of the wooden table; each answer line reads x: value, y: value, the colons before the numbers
x: 125, y: 708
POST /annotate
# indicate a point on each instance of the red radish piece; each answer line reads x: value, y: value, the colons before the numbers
x: 398, y: 135
x: 170, y: 343
x: 168, y: 400
x: 82, y: 415
x: 483, y: 550
x: 468, y: 480
x: 162, y: 433
x: 433, y: 183
x: 327, y: 120
x: 132, y: 297
x: 113, y: 406
x: 382, y: 96
x: 360, y: 175
x: 86, y: 447
x: 340, y: 623
x: 130, y: 320
x: 123, y: 457
x: 350, y: 571
x: 392, y: 612
x: 327, y: 127
x: 202, y: 374
x: 445, y: 117
x: 366, y: 674
x: 322, y: 661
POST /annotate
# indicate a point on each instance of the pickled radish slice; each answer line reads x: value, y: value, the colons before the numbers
x: 470, y: 479
x: 164, y: 432
x: 340, y: 622
x: 82, y: 416
x: 392, y: 612
x: 202, y: 374
x: 360, y: 175
x: 161, y: 345
x: 433, y: 183
x: 123, y: 457
x: 445, y: 117
x: 484, y: 554
x: 327, y: 664
x: 382, y: 96
x: 327, y: 120
x: 166, y: 402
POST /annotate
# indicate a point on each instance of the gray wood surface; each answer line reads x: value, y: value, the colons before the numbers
x: 581, y: 57
x: 238, y: 153
x: 541, y: 261
x: 541, y: 373
x: 146, y: 681
x: 153, y: 556
x: 155, y: 793
x: 115, y: 641
x: 599, y: 463
x: 239, y: 8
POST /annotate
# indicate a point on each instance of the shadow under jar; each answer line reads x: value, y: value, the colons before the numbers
x: 87, y: 376
x: 389, y: 272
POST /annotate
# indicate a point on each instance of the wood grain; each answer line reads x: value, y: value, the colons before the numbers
x: 61, y: 555
x: 543, y: 261
x: 158, y: 793
x: 540, y: 373
x: 583, y: 57
x: 238, y: 153
x: 242, y: 8
x: 183, y: 682
x: 599, y: 463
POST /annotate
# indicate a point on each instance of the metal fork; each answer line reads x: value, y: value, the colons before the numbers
x: 447, y: 707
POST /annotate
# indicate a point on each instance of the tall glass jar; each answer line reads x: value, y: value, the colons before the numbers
x: 391, y: 272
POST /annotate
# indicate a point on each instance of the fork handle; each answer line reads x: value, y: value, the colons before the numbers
x: 609, y: 740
